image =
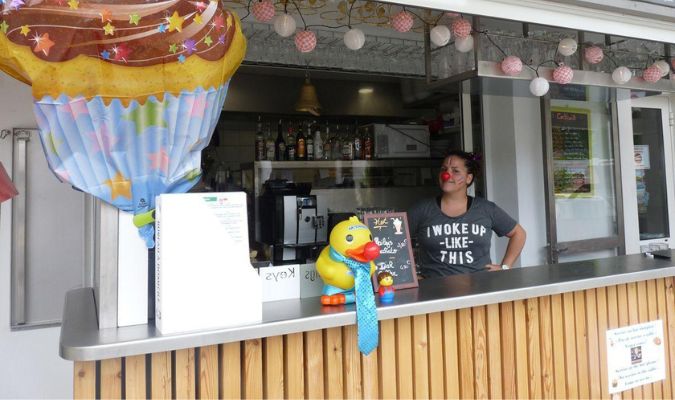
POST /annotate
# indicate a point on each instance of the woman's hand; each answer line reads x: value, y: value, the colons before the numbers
x: 493, y: 267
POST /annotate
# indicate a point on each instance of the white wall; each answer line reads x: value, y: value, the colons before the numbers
x: 514, y: 170
x: 30, y: 366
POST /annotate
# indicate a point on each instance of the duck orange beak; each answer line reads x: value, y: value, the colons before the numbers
x: 367, y: 252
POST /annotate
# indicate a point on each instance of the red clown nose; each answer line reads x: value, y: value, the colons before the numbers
x: 445, y: 176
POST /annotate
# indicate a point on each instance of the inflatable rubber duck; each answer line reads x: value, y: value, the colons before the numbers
x: 349, y: 240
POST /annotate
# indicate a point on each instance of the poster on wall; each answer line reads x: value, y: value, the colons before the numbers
x: 641, y: 156
x: 635, y: 356
x: 572, y: 138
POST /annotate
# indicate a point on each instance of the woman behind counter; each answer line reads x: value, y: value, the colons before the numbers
x: 454, y: 230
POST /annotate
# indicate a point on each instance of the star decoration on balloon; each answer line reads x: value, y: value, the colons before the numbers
x: 134, y: 19
x: 173, y: 48
x: 25, y: 30
x: 109, y: 29
x: 42, y: 43
x: 175, y: 22
x: 105, y: 54
x: 199, y: 5
x: 208, y: 41
x: 4, y: 26
x: 181, y: 59
x: 162, y: 28
x: 73, y: 4
x: 190, y: 46
x: 122, y: 52
x: 102, y: 141
x: 119, y: 186
x: 198, y: 19
x: 218, y: 22
x: 16, y: 4
x: 159, y: 161
x: 149, y: 114
x: 106, y: 15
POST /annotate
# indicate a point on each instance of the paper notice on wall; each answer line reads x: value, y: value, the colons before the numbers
x: 635, y: 356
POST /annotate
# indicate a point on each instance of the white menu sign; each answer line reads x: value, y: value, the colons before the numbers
x: 635, y: 356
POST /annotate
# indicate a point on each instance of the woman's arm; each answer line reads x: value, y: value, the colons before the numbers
x: 517, y: 238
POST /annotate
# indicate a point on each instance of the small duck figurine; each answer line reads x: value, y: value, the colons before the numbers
x: 349, y: 240
x: 386, y: 290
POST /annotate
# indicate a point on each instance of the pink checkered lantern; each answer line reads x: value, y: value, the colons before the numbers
x: 593, y: 55
x: 461, y: 28
x: 263, y: 11
x: 563, y: 74
x: 651, y: 74
x: 402, y: 22
x: 305, y: 41
x: 511, y: 66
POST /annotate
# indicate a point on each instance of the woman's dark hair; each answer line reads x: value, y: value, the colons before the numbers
x: 471, y: 161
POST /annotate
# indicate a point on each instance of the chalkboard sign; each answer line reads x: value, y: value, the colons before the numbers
x: 390, y: 232
x: 572, y: 138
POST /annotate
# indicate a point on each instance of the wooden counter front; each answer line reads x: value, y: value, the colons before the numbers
x: 551, y: 346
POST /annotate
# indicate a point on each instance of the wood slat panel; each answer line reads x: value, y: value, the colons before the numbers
x: 466, y: 352
x: 436, y: 376
x: 273, y: 367
x: 643, y: 316
x: 111, y: 378
x: 252, y: 387
x: 593, y: 344
x: 653, y: 316
x: 451, y: 352
x: 522, y: 371
x: 404, y: 362
x: 482, y: 386
x: 533, y: 348
x: 546, y: 347
x: 294, y: 372
x: 508, y: 345
x: 420, y: 357
x: 670, y: 310
x: 160, y: 387
x: 84, y: 380
x: 229, y: 371
x: 633, y: 318
x: 572, y: 387
x: 370, y: 375
x: 134, y: 377
x: 558, y: 340
x: 582, y: 344
x: 602, y: 312
x: 662, y: 311
x: 351, y: 363
x: 185, y: 374
x: 332, y: 366
x: 622, y: 311
x: 494, y: 351
x: 313, y: 356
x: 387, y: 359
x: 208, y: 372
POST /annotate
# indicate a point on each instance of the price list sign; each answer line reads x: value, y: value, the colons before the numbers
x: 572, y: 138
x: 390, y: 232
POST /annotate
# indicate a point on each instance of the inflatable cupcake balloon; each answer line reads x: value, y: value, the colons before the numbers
x: 126, y: 93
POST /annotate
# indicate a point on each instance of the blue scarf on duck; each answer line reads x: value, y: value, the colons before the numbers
x: 366, y: 312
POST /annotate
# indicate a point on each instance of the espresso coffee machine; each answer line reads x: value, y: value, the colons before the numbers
x: 292, y: 221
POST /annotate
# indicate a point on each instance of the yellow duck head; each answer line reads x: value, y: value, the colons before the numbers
x: 351, y: 239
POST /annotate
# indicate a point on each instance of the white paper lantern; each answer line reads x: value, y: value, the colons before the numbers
x: 284, y: 25
x: 663, y: 66
x: 440, y: 35
x: 621, y: 75
x: 464, y: 44
x: 354, y: 39
x: 539, y: 87
x: 567, y: 47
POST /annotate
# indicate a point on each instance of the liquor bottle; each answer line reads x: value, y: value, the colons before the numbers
x: 300, y: 146
x: 259, y: 142
x: 318, y: 144
x: 347, y: 146
x: 336, y: 151
x: 327, y: 145
x: 290, y: 144
x: 269, y: 144
x: 280, y: 145
x: 368, y: 144
x: 309, y: 144
x: 358, y: 149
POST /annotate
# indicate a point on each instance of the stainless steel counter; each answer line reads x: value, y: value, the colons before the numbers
x: 81, y: 340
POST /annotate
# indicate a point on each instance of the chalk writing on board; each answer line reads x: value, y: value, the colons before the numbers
x: 390, y: 232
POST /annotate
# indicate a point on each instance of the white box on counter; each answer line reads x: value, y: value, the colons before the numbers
x: 204, y: 278
x: 132, y: 273
x: 281, y: 282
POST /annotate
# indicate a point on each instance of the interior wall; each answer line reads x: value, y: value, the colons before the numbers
x: 514, y: 170
x: 30, y: 366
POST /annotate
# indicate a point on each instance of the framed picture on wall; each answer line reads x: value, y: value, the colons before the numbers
x: 572, y: 152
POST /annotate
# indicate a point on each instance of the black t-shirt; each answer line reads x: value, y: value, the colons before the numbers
x: 456, y: 245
